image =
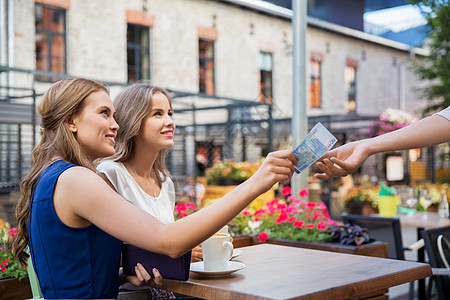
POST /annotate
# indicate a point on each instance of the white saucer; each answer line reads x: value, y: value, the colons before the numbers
x: 236, y: 253
x: 233, y: 266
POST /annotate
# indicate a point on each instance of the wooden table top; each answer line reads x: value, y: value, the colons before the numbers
x: 423, y: 220
x: 281, y: 272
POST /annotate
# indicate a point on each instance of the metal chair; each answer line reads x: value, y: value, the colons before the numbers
x: 387, y: 230
x: 437, y: 246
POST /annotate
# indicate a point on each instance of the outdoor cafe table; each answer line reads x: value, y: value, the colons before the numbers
x: 423, y: 221
x: 282, y: 272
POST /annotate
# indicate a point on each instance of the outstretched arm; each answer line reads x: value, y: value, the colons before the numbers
x: 97, y: 203
x: 348, y: 158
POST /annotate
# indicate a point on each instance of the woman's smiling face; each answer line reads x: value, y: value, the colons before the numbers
x: 94, y: 127
x: 158, y: 128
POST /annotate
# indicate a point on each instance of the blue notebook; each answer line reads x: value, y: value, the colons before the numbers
x: 170, y: 268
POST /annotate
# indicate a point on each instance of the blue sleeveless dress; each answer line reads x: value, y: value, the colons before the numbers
x: 71, y: 263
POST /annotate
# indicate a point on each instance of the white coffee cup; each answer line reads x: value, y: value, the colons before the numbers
x: 224, y: 229
x: 217, y: 251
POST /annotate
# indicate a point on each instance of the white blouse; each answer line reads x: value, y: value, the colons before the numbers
x: 445, y: 113
x: 161, y: 207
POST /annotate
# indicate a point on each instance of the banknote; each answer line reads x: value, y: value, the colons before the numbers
x: 318, y: 142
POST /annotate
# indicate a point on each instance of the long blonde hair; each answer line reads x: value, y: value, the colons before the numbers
x: 132, y: 105
x: 62, y: 100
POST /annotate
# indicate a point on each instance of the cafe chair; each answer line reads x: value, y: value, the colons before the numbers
x: 34, y: 281
x: 387, y: 230
x: 437, y: 246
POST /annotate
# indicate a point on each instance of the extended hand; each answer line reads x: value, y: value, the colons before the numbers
x: 343, y: 160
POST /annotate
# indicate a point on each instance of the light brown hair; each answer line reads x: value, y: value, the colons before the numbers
x: 132, y: 105
x: 62, y: 100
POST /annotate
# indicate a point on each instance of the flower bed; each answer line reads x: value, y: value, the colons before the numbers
x: 9, y: 267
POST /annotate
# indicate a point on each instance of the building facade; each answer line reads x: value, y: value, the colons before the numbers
x: 229, y: 55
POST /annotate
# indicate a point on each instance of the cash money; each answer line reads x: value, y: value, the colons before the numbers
x: 318, y: 142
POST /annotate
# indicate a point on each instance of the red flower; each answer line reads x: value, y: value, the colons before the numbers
x: 5, y: 262
x: 298, y: 224
x: 282, y: 218
x: 286, y: 191
x: 181, y: 207
x: 245, y: 212
x: 311, y: 204
x: 310, y: 226
x: 190, y: 205
x: 321, y: 226
x: 259, y: 212
x: 263, y: 236
x: 3, y: 269
x: 304, y: 193
x: 13, y: 231
x: 291, y: 219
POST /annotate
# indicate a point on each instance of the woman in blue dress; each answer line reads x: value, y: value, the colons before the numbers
x: 73, y: 222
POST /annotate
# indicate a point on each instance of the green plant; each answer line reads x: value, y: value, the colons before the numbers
x: 9, y: 267
x: 237, y: 171
x: 362, y: 194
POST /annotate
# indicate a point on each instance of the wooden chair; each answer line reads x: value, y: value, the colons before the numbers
x: 387, y: 230
x: 437, y: 246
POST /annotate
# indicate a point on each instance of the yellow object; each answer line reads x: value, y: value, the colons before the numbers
x: 387, y: 206
x: 214, y: 192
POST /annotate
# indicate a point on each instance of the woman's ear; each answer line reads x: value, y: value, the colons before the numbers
x: 71, y: 124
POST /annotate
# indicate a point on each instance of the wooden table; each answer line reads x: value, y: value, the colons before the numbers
x: 423, y: 221
x: 281, y: 272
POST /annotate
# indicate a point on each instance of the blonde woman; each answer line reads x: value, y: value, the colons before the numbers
x: 74, y: 223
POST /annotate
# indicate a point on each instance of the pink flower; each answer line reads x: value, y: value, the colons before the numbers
x: 191, y: 206
x: 303, y: 193
x: 321, y: 226
x: 259, y: 212
x: 5, y: 262
x: 245, y: 212
x: 286, y: 191
x: 298, y: 224
x: 308, y: 226
x: 311, y: 204
x: 180, y: 207
x: 182, y: 215
x: 282, y: 218
x: 13, y: 231
x: 263, y: 236
x: 291, y: 219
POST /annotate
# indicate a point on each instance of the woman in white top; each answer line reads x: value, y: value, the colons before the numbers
x: 348, y: 158
x: 137, y: 170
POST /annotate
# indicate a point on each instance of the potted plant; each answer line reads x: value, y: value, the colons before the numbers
x: 301, y: 223
x: 223, y: 176
x: 362, y: 200
x: 14, y: 283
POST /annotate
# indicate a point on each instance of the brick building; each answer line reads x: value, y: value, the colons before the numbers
x: 233, y: 54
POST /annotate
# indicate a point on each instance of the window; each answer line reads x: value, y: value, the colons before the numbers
x: 315, y: 85
x: 206, y: 66
x: 265, y: 83
x: 350, y: 86
x: 138, y: 52
x: 50, y: 40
